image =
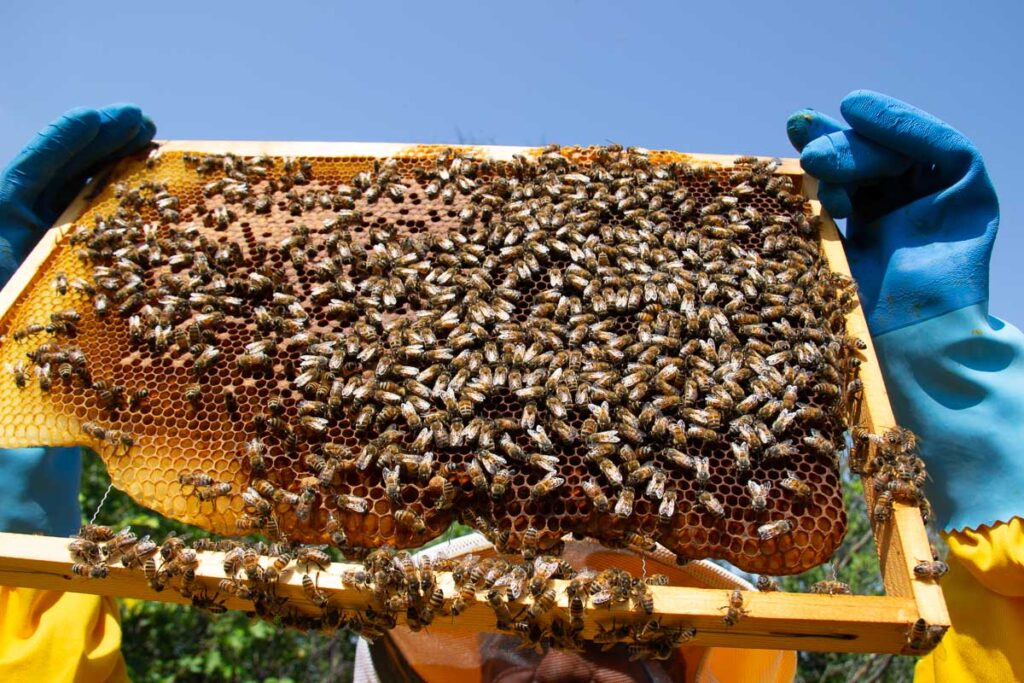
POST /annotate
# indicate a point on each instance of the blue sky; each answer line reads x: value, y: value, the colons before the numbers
x: 714, y: 77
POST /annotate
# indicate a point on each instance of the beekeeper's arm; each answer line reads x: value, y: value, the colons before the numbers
x: 921, y: 219
x: 45, y: 635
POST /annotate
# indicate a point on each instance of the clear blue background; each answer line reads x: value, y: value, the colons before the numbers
x: 700, y: 77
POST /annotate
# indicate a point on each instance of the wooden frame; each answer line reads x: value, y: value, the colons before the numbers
x: 775, y: 620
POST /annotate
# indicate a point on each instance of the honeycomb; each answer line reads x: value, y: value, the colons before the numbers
x: 358, y: 350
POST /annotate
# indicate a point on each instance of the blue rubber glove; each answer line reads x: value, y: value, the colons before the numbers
x: 39, y: 486
x: 922, y: 216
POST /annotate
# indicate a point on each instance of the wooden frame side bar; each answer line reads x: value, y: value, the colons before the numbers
x: 901, y: 542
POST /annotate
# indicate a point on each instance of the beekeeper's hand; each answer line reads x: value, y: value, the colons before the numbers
x: 921, y: 219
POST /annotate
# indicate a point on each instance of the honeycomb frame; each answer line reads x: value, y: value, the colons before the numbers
x: 899, y: 541
x: 177, y: 436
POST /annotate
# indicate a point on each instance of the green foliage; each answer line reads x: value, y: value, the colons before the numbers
x: 164, y: 642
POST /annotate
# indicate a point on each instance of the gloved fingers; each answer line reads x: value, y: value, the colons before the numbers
x: 119, y: 127
x: 64, y: 196
x: 848, y: 157
x: 49, y: 151
x: 8, y: 262
x: 147, y: 131
x: 835, y: 199
x: 807, y: 124
x: 903, y: 127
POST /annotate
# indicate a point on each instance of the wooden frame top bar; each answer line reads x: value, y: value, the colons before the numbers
x: 789, y: 165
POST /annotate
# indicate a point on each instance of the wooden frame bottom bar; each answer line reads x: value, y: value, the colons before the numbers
x: 836, y: 623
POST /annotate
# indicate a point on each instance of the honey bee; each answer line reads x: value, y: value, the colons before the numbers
x: 656, y: 485
x: 233, y: 561
x: 100, y: 305
x: 758, y: 495
x: 610, y: 471
x: 596, y: 495
x: 542, y: 603
x: 797, y: 487
x: 702, y: 469
x: 216, y: 490
x: 641, y: 473
x: 734, y: 610
x: 254, y: 452
x: 679, y: 458
x: 476, y: 475
x: 137, y: 553
x: 539, y: 436
x: 446, y: 489
x: 96, y: 533
x: 251, y: 565
x: 767, y: 532
x: 65, y: 371
x: 601, y: 413
x: 500, y: 483
x: 43, y: 375
x: 334, y: 531
x: 766, y: 584
x: 312, y: 555
x: 641, y: 541
x: 819, y: 443
x: 922, y: 637
x: 882, y: 510
x: 528, y: 418
x: 312, y: 591
x: 205, y: 360
x: 667, y: 507
x: 85, y: 550
x: 784, y: 450
x: 352, y: 503
x: 545, y: 487
x: 20, y: 334
x: 830, y: 587
x: 548, y: 463
x: 529, y: 549
x: 391, y: 484
x: 123, y: 541
x: 312, y: 425
x: 137, y: 397
x: 60, y: 283
x: 932, y: 570
x: 741, y: 454
x: 90, y: 571
x: 711, y: 504
x: 642, y: 596
x: 624, y: 505
x: 917, y: 636
x: 410, y: 520
x: 195, y: 479
x: 17, y: 370
x: 193, y: 393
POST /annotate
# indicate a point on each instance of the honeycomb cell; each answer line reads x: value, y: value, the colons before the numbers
x: 599, y: 277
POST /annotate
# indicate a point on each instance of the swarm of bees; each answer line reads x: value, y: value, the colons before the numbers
x: 605, y: 342
x: 521, y: 593
x: 897, y: 472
